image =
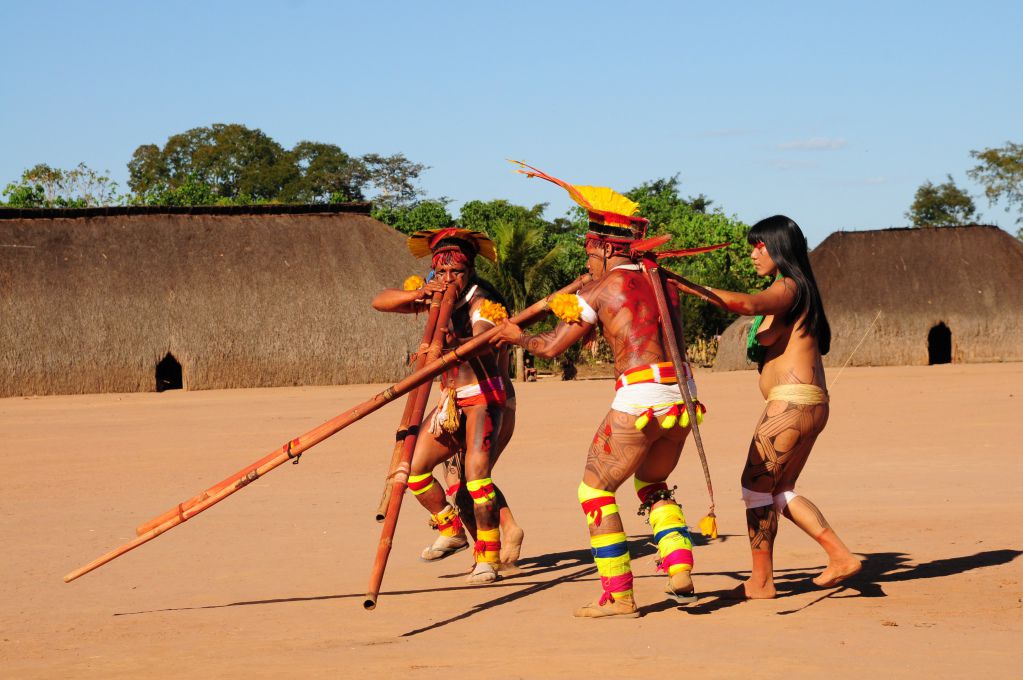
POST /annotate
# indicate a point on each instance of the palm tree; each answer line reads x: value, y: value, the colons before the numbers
x: 526, y: 267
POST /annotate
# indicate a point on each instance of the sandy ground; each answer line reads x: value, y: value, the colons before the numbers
x: 917, y: 471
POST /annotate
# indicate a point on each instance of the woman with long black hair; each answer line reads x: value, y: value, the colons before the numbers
x: 788, y: 336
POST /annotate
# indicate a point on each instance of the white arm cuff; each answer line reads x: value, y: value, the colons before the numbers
x: 475, y: 316
x: 588, y: 314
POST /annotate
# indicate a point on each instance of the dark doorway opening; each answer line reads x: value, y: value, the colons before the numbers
x: 939, y: 345
x: 168, y: 374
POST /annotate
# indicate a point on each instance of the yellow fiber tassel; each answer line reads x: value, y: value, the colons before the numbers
x: 644, y: 419
x: 413, y: 283
x: 451, y: 416
x: 671, y: 418
x: 700, y: 410
x: 709, y: 526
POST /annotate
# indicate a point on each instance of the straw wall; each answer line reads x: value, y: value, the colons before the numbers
x: 92, y: 303
x: 969, y: 278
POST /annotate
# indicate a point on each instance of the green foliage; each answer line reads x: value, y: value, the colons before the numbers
x: 659, y: 200
x: 238, y: 163
x: 1000, y: 172
x: 941, y: 205
x: 691, y: 226
x: 394, y: 178
x: 43, y: 186
x: 531, y: 261
x: 325, y: 174
x: 231, y: 159
x: 429, y: 214
x: 190, y: 192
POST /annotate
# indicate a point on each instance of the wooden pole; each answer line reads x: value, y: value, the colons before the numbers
x: 399, y: 477
x: 410, y: 403
x: 294, y: 448
x: 671, y: 327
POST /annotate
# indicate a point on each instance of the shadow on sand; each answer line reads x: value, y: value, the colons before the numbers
x: 543, y: 572
x: 878, y: 569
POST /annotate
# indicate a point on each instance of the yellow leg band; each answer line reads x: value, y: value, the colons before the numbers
x: 481, y: 490
x: 596, y: 503
x: 417, y: 485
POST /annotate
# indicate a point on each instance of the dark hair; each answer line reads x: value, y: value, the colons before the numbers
x: 787, y: 247
x: 466, y: 246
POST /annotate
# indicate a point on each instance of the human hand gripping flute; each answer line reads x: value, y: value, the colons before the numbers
x: 787, y: 339
x: 643, y: 432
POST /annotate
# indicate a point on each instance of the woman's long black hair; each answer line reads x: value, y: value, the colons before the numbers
x: 787, y: 247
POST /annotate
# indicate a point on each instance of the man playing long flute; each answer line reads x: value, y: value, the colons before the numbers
x: 476, y: 414
x: 647, y: 424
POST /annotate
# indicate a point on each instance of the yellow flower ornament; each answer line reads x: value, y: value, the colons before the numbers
x: 494, y: 312
x: 566, y: 307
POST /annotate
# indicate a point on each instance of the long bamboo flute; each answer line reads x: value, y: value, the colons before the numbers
x: 410, y: 403
x: 294, y: 448
x: 673, y: 338
x: 400, y: 472
x: 182, y: 507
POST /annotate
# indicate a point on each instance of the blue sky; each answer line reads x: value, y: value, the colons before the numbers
x: 833, y: 113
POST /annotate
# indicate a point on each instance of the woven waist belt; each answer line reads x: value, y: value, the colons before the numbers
x: 662, y: 373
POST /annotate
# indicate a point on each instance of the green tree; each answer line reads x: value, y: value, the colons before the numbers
x: 241, y: 165
x: 1000, y: 172
x: 43, y: 186
x: 189, y: 192
x: 232, y: 159
x: 528, y: 255
x: 690, y: 225
x: 660, y: 199
x: 427, y: 214
x: 941, y: 205
x: 394, y: 178
x: 326, y: 174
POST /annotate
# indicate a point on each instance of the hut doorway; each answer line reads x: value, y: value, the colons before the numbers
x: 939, y: 345
x: 168, y: 374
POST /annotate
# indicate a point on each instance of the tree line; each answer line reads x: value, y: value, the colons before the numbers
x: 230, y: 164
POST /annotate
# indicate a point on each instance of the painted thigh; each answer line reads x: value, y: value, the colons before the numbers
x: 482, y: 424
x: 817, y: 416
x: 781, y: 445
x: 618, y: 448
x: 505, y: 433
x: 430, y: 449
x: 663, y: 455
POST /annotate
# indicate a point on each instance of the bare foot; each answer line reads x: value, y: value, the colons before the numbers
x: 511, y: 544
x: 838, y: 571
x: 748, y: 591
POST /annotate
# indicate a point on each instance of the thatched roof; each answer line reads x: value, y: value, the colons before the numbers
x: 92, y: 300
x: 970, y: 278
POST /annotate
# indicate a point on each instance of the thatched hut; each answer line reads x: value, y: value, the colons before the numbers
x: 140, y: 299
x: 949, y: 294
